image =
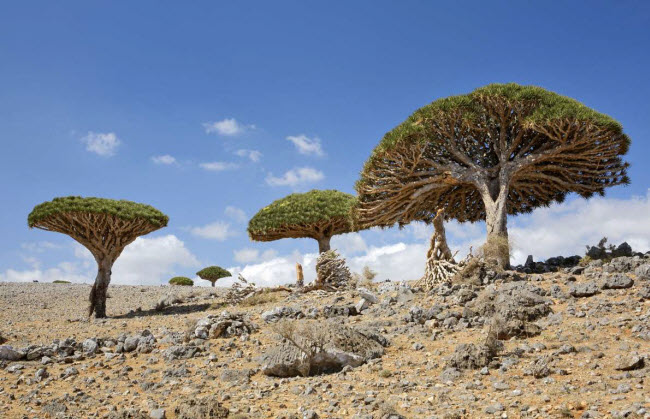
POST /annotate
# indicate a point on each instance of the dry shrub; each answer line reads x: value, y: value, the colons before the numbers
x: 496, y: 247
x: 2, y: 339
x: 309, y: 337
x: 365, y: 279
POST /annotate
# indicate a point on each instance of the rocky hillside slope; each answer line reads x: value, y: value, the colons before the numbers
x: 572, y: 343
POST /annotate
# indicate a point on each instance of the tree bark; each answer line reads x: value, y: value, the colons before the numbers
x: 497, y: 229
x: 324, y: 244
x: 213, y: 282
x: 100, y: 288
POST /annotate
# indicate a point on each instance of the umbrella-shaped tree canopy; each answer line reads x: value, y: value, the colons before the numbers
x: 502, y: 149
x: 317, y: 214
x: 213, y: 274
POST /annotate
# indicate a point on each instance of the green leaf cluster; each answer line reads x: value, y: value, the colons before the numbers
x: 126, y: 210
x: 302, y: 209
x: 181, y: 280
x: 212, y: 273
x: 548, y: 106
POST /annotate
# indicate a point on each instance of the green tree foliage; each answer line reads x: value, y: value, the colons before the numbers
x: 122, y: 209
x: 181, y: 280
x: 213, y: 274
x: 318, y: 214
x: 104, y: 226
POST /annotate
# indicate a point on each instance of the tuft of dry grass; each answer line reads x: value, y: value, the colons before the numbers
x: 263, y: 297
x: 496, y: 247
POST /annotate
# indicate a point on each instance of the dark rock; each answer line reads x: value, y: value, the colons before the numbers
x: 180, y: 352
x: 586, y: 289
x: 8, y: 353
x: 274, y: 315
x: 340, y: 311
x: 469, y: 356
x: 616, y: 281
x: 630, y: 362
x: 623, y: 249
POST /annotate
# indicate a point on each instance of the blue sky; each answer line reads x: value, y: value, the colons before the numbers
x: 91, y: 93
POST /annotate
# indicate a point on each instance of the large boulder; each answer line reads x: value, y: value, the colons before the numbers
x: 616, y: 281
x: 586, y: 289
x: 340, y: 347
x: 514, y: 306
x: 8, y: 353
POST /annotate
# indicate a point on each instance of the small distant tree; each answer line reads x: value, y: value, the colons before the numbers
x: 181, y: 280
x: 503, y: 149
x: 316, y: 214
x: 213, y: 274
x: 104, y: 226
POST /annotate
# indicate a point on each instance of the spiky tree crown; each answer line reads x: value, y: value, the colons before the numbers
x: 313, y: 214
x: 545, y: 145
x: 125, y: 210
x: 212, y: 273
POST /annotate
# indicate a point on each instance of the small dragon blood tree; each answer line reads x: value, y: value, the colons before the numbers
x: 213, y: 274
x: 501, y: 150
x: 316, y: 214
x: 104, y: 226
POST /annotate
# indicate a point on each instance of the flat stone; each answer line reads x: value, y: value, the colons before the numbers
x: 586, y: 289
x: 630, y: 362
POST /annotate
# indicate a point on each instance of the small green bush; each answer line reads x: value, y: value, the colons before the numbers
x: 181, y: 280
x: 60, y: 281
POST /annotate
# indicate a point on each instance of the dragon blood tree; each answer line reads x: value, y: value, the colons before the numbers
x: 213, y: 274
x: 501, y: 150
x: 104, y: 226
x: 316, y: 214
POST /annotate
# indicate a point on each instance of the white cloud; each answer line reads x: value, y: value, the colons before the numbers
x: 218, y: 230
x: 248, y: 255
x: 306, y: 145
x: 218, y: 166
x: 146, y: 261
x: 152, y: 261
x: 103, y: 144
x: 164, y: 159
x: 227, y: 127
x: 349, y: 243
x: 236, y: 214
x: 252, y: 155
x: 40, y: 247
x: 296, y: 177
x: 565, y: 229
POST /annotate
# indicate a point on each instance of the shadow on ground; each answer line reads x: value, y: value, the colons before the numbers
x: 185, y: 309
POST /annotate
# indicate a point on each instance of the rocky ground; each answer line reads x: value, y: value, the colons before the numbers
x: 572, y: 343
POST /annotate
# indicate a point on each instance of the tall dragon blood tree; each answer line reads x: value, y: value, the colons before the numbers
x: 104, y: 226
x: 316, y: 214
x: 503, y: 149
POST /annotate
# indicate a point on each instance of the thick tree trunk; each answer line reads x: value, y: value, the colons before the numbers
x: 213, y: 282
x: 324, y: 244
x: 100, y: 288
x: 497, y: 230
